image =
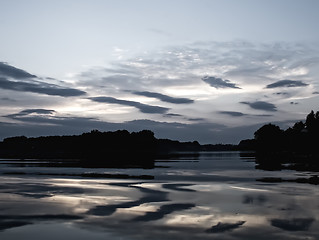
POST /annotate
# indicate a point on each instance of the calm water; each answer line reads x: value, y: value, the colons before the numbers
x: 216, y: 195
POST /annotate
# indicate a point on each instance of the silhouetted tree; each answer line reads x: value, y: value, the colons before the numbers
x: 269, y: 138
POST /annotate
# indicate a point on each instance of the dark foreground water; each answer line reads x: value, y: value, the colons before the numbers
x: 213, y: 196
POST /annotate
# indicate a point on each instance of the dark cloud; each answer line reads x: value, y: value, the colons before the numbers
x: 173, y: 115
x: 223, y: 227
x: 219, y: 83
x: 163, y: 97
x: 294, y: 103
x: 296, y: 224
x: 39, y: 87
x: 261, y: 105
x: 315, y: 93
x: 233, y: 114
x: 144, y: 108
x: 281, y: 93
x: 287, y: 83
x: 9, y: 71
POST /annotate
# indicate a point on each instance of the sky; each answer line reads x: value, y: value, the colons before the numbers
x: 207, y: 70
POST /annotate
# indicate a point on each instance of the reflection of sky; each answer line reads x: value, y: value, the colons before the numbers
x: 164, y: 208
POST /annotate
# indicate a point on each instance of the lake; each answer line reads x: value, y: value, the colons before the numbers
x: 211, y: 195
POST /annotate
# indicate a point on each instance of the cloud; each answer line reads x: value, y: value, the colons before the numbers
x: 296, y: 224
x: 233, y: 114
x: 9, y: 71
x: 39, y: 87
x: 315, y: 93
x: 163, y: 97
x: 219, y: 83
x: 287, y: 83
x: 261, y: 105
x: 223, y: 227
x: 144, y: 108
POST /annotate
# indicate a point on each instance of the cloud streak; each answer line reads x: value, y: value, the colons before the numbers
x: 163, y: 97
x: 39, y: 87
x: 27, y: 112
x: 144, y: 108
x: 219, y: 83
x: 287, y: 83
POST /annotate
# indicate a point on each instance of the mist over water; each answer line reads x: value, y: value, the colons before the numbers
x: 212, y: 195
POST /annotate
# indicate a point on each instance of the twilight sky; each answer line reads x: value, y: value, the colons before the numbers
x: 206, y: 70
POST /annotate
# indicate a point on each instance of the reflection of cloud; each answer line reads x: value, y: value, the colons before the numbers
x: 261, y: 105
x: 164, y: 98
x: 296, y: 224
x: 258, y: 200
x: 46, y: 217
x: 219, y: 83
x: 287, y: 83
x: 150, y: 196
x: 4, y: 225
x: 179, y: 187
x: 144, y: 108
x: 163, y: 211
x: 38, y: 190
x: 223, y: 227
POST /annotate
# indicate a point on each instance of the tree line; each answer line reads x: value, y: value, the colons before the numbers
x: 298, y: 141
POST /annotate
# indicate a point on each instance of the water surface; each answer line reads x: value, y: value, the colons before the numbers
x: 216, y: 195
